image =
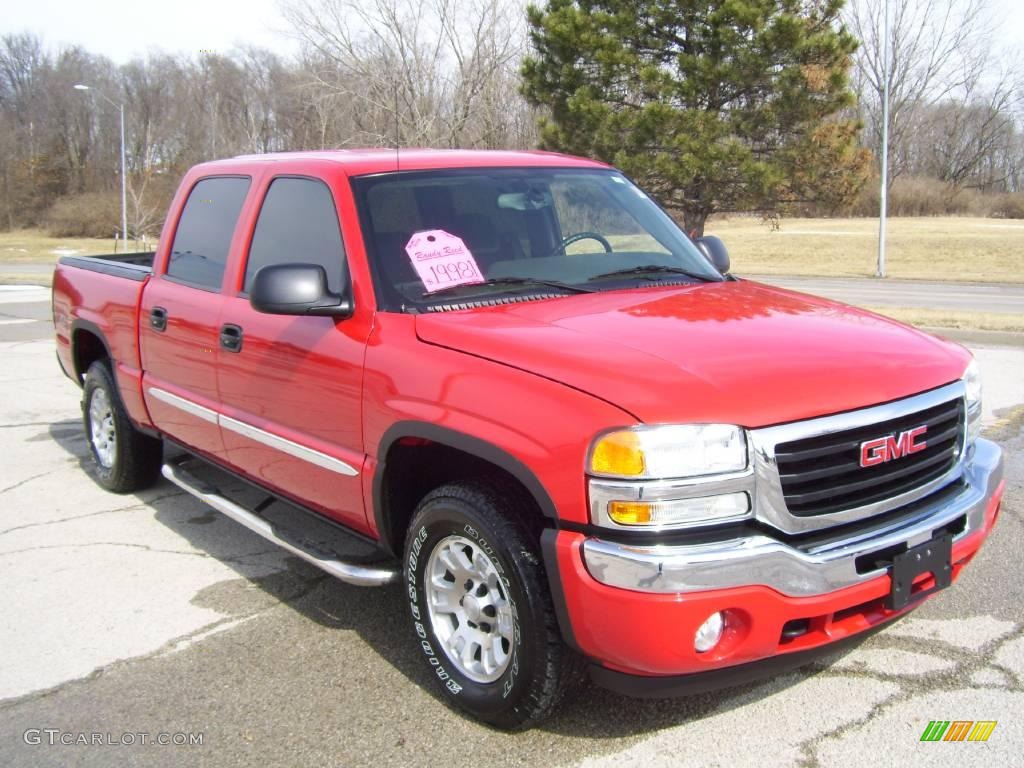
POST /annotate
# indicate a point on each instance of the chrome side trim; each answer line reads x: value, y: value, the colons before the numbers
x: 769, y: 500
x: 287, y: 446
x: 204, y: 413
x: 763, y: 560
x: 360, y: 575
x: 255, y: 433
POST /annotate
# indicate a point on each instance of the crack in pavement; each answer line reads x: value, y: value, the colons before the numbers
x: 914, y: 686
x: 8, y: 345
x: 129, y: 508
x: 27, y: 480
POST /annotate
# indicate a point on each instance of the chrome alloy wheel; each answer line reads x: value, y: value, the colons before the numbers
x: 469, y: 609
x: 101, y: 423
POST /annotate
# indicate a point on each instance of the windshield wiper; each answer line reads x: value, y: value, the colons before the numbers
x: 500, y: 282
x: 646, y: 269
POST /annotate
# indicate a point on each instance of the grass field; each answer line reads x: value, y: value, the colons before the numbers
x: 949, y: 248
x: 31, y: 246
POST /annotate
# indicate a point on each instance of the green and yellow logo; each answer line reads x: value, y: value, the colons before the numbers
x: 958, y: 730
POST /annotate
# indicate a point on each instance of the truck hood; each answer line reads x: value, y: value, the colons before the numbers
x: 732, y: 352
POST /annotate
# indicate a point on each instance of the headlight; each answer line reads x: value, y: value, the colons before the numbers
x: 670, y: 451
x: 668, y: 513
x: 972, y: 390
x: 669, y: 476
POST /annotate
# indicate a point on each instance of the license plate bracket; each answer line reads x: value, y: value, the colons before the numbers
x: 934, y: 557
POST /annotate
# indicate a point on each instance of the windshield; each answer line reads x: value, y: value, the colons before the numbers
x: 435, y: 237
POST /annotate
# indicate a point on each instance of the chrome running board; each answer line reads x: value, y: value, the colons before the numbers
x: 359, y: 575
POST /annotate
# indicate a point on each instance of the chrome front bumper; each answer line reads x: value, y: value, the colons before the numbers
x: 761, y: 559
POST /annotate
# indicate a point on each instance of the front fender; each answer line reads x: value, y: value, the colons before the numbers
x: 535, y: 428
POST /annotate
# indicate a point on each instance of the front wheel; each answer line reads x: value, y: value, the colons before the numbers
x: 481, y: 608
x: 126, y: 459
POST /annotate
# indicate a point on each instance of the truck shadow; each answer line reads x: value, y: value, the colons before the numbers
x: 379, y: 616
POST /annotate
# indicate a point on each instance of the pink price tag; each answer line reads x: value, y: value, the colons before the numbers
x: 442, y: 260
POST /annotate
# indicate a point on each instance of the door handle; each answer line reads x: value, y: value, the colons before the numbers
x: 158, y: 319
x: 231, y: 337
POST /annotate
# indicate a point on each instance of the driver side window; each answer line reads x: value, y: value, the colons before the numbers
x: 586, y: 207
x: 298, y: 224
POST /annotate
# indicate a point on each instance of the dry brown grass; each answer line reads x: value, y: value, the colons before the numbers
x: 33, y: 246
x: 947, y: 248
x: 952, y: 318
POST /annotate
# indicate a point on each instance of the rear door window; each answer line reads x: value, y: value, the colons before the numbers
x: 202, y: 240
x: 298, y: 224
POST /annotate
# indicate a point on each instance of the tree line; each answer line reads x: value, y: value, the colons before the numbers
x: 956, y: 101
x: 468, y: 73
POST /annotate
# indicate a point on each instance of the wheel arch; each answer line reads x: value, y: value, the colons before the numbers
x: 392, y: 514
x: 88, y: 344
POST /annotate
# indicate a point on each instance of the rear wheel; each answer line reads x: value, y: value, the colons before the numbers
x: 125, y: 459
x: 481, y: 608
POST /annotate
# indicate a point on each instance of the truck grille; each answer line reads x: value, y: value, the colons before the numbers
x: 821, y: 475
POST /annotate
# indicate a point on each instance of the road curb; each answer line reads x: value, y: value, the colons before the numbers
x: 874, y: 280
x: 974, y: 336
x: 27, y: 278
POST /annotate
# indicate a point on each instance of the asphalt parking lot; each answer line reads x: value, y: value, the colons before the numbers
x: 152, y: 614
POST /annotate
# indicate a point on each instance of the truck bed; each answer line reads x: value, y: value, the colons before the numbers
x: 134, y: 266
x: 96, y: 301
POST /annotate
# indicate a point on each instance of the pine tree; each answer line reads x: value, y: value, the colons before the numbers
x: 711, y: 105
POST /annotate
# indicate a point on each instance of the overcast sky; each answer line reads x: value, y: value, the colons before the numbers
x: 122, y: 29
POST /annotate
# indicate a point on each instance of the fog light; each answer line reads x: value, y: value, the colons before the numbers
x: 709, y: 633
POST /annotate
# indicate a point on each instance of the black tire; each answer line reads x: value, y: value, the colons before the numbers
x: 131, y: 461
x: 541, y: 670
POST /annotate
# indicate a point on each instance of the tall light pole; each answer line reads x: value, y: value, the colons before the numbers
x: 124, y: 169
x: 883, y: 197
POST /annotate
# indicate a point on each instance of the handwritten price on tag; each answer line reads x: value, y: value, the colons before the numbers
x: 442, y: 260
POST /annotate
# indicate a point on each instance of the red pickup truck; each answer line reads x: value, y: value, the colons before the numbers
x: 510, y: 383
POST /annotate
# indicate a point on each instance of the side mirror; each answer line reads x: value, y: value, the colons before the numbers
x: 296, y: 289
x: 715, y: 251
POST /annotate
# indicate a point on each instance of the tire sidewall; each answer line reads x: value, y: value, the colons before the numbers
x: 99, y: 378
x: 440, y: 519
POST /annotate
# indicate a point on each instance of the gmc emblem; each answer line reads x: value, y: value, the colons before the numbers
x: 883, y: 449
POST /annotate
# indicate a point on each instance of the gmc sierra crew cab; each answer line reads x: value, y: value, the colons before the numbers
x: 510, y: 384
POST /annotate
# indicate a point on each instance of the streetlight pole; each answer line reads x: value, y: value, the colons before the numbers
x: 124, y: 166
x: 883, y: 197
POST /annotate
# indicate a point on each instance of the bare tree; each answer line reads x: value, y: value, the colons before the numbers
x: 936, y: 49
x: 959, y: 137
x: 486, y: 41
x: 24, y: 69
x: 415, y: 71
